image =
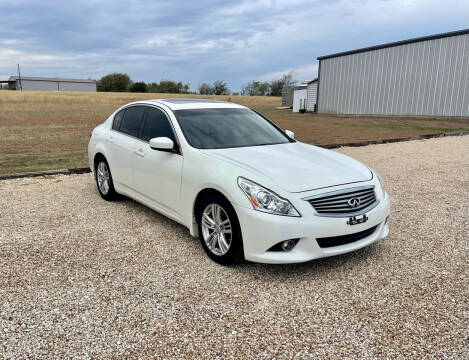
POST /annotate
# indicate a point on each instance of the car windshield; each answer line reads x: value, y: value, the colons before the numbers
x: 227, y: 128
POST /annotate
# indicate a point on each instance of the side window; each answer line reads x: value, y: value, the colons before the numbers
x: 132, y: 119
x: 157, y: 125
x: 116, y: 124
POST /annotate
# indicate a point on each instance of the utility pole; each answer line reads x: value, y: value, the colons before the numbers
x: 19, y: 78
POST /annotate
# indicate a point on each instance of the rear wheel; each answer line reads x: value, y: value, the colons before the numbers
x: 219, y: 230
x: 104, y: 180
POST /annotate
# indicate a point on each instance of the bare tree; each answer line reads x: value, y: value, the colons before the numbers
x: 273, y: 88
x: 276, y: 86
x: 256, y: 88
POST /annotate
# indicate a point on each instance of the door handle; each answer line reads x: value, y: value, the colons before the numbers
x: 139, y: 152
x: 110, y: 140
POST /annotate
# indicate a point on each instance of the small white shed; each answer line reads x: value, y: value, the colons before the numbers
x: 299, y: 98
x: 312, y: 95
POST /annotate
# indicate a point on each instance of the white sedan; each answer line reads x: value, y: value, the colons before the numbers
x: 245, y: 187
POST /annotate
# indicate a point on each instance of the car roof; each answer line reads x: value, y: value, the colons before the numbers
x: 190, y: 103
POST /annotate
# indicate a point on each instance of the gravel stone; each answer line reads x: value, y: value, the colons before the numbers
x: 86, y: 279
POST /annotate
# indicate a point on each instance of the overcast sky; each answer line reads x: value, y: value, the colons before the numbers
x: 205, y: 40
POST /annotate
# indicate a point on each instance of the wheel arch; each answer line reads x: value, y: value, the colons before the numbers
x: 99, y: 155
x: 198, y: 200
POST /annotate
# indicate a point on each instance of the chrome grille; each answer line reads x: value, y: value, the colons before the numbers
x: 347, y: 202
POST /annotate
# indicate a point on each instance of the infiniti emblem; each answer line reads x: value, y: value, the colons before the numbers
x: 353, y: 202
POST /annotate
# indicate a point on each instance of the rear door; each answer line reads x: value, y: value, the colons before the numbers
x: 123, y: 140
x: 157, y: 174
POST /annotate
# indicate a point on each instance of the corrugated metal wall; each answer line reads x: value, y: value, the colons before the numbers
x: 76, y: 86
x: 422, y: 78
x: 55, y: 85
x: 311, y: 96
x: 37, y: 85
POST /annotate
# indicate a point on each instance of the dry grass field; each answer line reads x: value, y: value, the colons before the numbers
x: 50, y: 130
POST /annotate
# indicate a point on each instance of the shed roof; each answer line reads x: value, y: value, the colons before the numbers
x: 396, y: 43
x: 32, y: 78
x: 301, y: 86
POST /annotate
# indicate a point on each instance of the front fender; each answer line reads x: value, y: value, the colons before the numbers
x: 208, y: 174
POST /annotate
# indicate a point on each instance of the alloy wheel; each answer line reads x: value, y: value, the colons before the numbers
x: 216, y: 229
x: 103, y: 178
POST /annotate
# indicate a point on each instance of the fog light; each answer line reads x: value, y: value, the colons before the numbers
x: 287, y: 245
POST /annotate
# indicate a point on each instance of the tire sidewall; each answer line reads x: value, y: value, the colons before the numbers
x: 235, y: 252
x: 111, y: 194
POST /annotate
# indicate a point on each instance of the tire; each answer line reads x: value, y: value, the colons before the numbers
x: 104, y: 181
x: 212, y: 233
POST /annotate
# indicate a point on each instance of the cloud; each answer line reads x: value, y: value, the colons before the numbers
x: 202, y: 41
x: 302, y: 73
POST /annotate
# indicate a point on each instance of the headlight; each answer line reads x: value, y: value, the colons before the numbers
x: 380, y: 179
x: 265, y: 200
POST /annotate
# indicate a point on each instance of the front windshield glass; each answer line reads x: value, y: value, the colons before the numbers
x: 227, y: 128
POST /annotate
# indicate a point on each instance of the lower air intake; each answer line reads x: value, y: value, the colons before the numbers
x: 345, y: 239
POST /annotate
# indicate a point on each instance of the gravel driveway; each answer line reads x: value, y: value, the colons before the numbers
x: 84, y: 278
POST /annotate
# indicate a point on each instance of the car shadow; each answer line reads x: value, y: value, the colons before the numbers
x: 328, y: 264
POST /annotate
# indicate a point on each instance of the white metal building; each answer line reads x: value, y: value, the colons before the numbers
x: 51, y: 84
x: 422, y: 76
x: 311, y: 95
x: 299, y: 98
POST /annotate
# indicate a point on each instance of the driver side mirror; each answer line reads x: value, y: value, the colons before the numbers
x: 162, y: 144
x: 290, y: 134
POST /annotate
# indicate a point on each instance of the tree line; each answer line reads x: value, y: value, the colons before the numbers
x: 268, y: 88
x: 118, y: 82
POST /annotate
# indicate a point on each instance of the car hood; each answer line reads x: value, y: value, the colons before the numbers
x: 296, y: 167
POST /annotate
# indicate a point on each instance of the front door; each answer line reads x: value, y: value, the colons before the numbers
x: 157, y: 174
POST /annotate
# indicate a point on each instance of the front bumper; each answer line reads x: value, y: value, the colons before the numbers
x: 261, y: 231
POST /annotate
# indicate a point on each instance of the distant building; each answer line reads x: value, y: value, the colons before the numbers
x: 311, y: 95
x: 299, y: 97
x: 422, y: 76
x: 50, y: 84
x: 287, y: 96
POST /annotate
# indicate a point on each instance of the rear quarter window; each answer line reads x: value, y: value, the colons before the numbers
x: 117, y: 120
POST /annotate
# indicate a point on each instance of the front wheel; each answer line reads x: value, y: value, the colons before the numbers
x: 219, y: 230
